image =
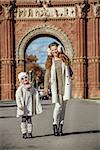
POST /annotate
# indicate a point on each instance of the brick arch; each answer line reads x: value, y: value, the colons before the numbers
x: 48, y: 30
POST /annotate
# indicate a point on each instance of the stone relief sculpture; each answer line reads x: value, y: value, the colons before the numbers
x: 6, y: 9
x: 44, y: 3
x: 0, y: 14
x: 97, y: 11
x: 83, y: 9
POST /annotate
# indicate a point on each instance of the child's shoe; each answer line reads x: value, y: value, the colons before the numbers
x: 24, y: 136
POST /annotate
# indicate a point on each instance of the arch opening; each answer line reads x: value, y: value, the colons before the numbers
x: 41, y: 31
x: 35, y: 42
x: 35, y: 57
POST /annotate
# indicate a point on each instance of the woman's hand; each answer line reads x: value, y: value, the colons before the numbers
x: 45, y: 91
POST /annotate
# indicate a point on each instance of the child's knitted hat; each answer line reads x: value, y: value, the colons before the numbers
x: 21, y: 75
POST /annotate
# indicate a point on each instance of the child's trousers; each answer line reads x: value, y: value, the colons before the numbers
x: 26, y: 124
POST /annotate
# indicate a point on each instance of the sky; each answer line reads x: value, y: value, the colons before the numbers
x: 39, y: 47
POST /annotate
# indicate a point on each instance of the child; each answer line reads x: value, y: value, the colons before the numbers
x: 26, y: 99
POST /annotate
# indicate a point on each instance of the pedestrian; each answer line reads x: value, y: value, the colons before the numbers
x: 28, y: 104
x: 59, y: 73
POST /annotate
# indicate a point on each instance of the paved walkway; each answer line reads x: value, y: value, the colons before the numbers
x: 81, y: 128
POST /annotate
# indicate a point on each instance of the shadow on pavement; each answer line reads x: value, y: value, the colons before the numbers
x: 42, y: 135
x: 3, y: 117
x: 82, y: 132
x: 70, y: 133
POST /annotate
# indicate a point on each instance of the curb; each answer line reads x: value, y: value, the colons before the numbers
x: 91, y: 100
x: 11, y: 103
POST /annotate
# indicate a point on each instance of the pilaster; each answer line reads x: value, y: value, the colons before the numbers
x: 80, y: 61
x: 94, y: 56
x: 7, y: 54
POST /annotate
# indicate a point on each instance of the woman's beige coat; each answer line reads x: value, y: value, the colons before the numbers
x: 66, y: 83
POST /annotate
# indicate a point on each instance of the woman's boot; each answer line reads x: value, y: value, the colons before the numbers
x: 61, y: 129
x: 55, y: 130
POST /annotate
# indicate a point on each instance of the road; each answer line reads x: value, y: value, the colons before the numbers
x: 81, y: 128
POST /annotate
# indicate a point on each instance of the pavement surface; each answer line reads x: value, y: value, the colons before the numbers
x: 81, y: 128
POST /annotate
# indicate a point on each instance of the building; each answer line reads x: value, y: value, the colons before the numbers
x: 75, y: 23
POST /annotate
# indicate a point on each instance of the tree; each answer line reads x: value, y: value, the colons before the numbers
x: 36, y: 71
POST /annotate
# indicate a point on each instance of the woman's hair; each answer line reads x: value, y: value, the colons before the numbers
x: 62, y: 56
x: 48, y: 62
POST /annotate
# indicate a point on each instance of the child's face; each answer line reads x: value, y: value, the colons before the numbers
x: 25, y: 80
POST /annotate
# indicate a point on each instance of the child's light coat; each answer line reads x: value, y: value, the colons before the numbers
x: 28, y: 101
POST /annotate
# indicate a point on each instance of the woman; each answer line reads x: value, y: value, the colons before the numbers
x: 59, y: 72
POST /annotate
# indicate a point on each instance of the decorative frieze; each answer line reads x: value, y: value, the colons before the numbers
x: 96, y: 10
x: 48, y: 12
x: 84, y: 60
x: 6, y: 62
x: 79, y: 60
x: 94, y: 60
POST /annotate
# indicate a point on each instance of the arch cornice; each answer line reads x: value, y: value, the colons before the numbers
x: 48, y: 30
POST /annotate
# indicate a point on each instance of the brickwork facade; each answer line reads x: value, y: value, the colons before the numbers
x: 76, y: 24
